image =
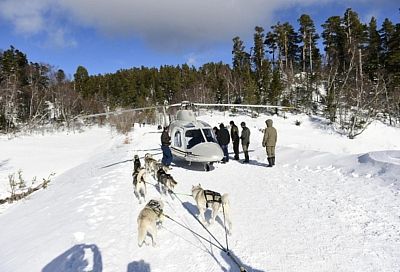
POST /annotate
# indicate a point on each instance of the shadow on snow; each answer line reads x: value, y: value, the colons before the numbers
x: 140, y: 266
x: 233, y: 266
x: 80, y: 257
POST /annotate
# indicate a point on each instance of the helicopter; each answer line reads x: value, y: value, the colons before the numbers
x: 192, y: 140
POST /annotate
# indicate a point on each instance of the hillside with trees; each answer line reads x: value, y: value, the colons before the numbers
x: 349, y: 73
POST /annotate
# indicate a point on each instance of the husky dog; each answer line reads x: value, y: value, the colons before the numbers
x: 204, y: 198
x: 149, y: 217
x: 151, y: 165
x: 136, y: 163
x: 166, y: 183
x: 139, y: 184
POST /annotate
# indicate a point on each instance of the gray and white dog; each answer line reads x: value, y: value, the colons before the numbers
x: 139, y: 185
x: 151, y: 165
x: 166, y: 183
x: 149, y: 217
x: 206, y: 198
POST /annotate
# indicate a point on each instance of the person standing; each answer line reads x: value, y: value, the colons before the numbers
x: 245, y: 137
x: 224, y: 140
x: 269, y: 142
x: 235, y: 139
x: 216, y: 133
x: 165, y: 143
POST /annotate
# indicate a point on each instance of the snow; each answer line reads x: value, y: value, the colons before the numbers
x: 330, y: 203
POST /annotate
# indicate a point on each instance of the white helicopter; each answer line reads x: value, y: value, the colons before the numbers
x: 192, y: 140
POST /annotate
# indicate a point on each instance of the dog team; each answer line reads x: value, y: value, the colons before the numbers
x: 151, y: 216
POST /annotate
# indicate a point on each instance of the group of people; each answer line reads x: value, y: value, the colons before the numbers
x: 269, y: 141
x: 223, y: 138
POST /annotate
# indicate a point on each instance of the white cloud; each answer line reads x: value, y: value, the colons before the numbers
x: 167, y: 25
x: 191, y: 60
x: 58, y: 38
x: 26, y: 15
x: 31, y: 17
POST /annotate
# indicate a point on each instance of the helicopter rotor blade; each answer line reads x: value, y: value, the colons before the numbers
x: 242, y: 106
x: 124, y: 111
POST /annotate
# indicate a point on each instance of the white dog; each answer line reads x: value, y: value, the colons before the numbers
x: 139, y: 185
x: 204, y: 198
x: 149, y: 217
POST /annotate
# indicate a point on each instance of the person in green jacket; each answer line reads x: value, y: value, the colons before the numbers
x: 269, y: 142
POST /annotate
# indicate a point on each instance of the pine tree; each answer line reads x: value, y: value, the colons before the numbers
x: 81, y: 78
x: 257, y: 59
x: 373, y: 50
x: 276, y: 88
x: 310, y: 57
x: 241, y: 69
x: 261, y: 65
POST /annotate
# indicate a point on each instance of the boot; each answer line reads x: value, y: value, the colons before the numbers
x: 273, y: 161
x: 269, y: 162
x: 246, y: 157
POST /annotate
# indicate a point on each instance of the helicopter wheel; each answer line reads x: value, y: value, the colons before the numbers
x: 207, y: 167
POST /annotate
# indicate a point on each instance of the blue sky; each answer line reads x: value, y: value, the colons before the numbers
x: 104, y: 36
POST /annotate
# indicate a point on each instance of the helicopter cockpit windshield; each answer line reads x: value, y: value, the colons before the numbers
x: 194, y: 136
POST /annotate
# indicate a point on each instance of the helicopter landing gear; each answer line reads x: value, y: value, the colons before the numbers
x: 207, y: 167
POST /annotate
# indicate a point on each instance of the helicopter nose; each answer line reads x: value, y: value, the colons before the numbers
x: 208, y: 152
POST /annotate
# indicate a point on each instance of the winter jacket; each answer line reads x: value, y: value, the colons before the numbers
x: 223, y: 136
x: 270, y: 135
x: 165, y: 139
x: 234, y: 133
x: 245, y: 137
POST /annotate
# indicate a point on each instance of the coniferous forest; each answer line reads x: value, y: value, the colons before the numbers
x: 348, y: 73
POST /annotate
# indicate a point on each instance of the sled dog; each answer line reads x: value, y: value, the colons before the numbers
x: 166, y: 183
x: 151, y: 165
x: 149, y: 217
x: 139, y: 185
x: 136, y: 163
x: 204, y: 198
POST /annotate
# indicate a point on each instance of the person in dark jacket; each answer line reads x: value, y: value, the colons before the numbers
x: 245, y: 137
x: 224, y: 140
x: 165, y: 143
x: 235, y: 139
x: 269, y: 142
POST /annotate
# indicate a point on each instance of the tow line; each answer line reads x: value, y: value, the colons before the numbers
x: 219, y: 246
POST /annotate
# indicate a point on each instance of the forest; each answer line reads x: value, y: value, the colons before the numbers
x: 349, y: 73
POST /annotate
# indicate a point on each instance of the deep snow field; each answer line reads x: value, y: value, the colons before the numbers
x: 329, y: 204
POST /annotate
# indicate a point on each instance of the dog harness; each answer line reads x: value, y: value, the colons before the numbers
x: 156, y: 207
x: 212, y: 197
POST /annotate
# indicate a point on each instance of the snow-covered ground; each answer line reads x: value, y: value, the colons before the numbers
x: 330, y: 203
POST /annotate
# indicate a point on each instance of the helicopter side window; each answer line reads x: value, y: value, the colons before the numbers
x: 178, y: 139
x: 193, y: 137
